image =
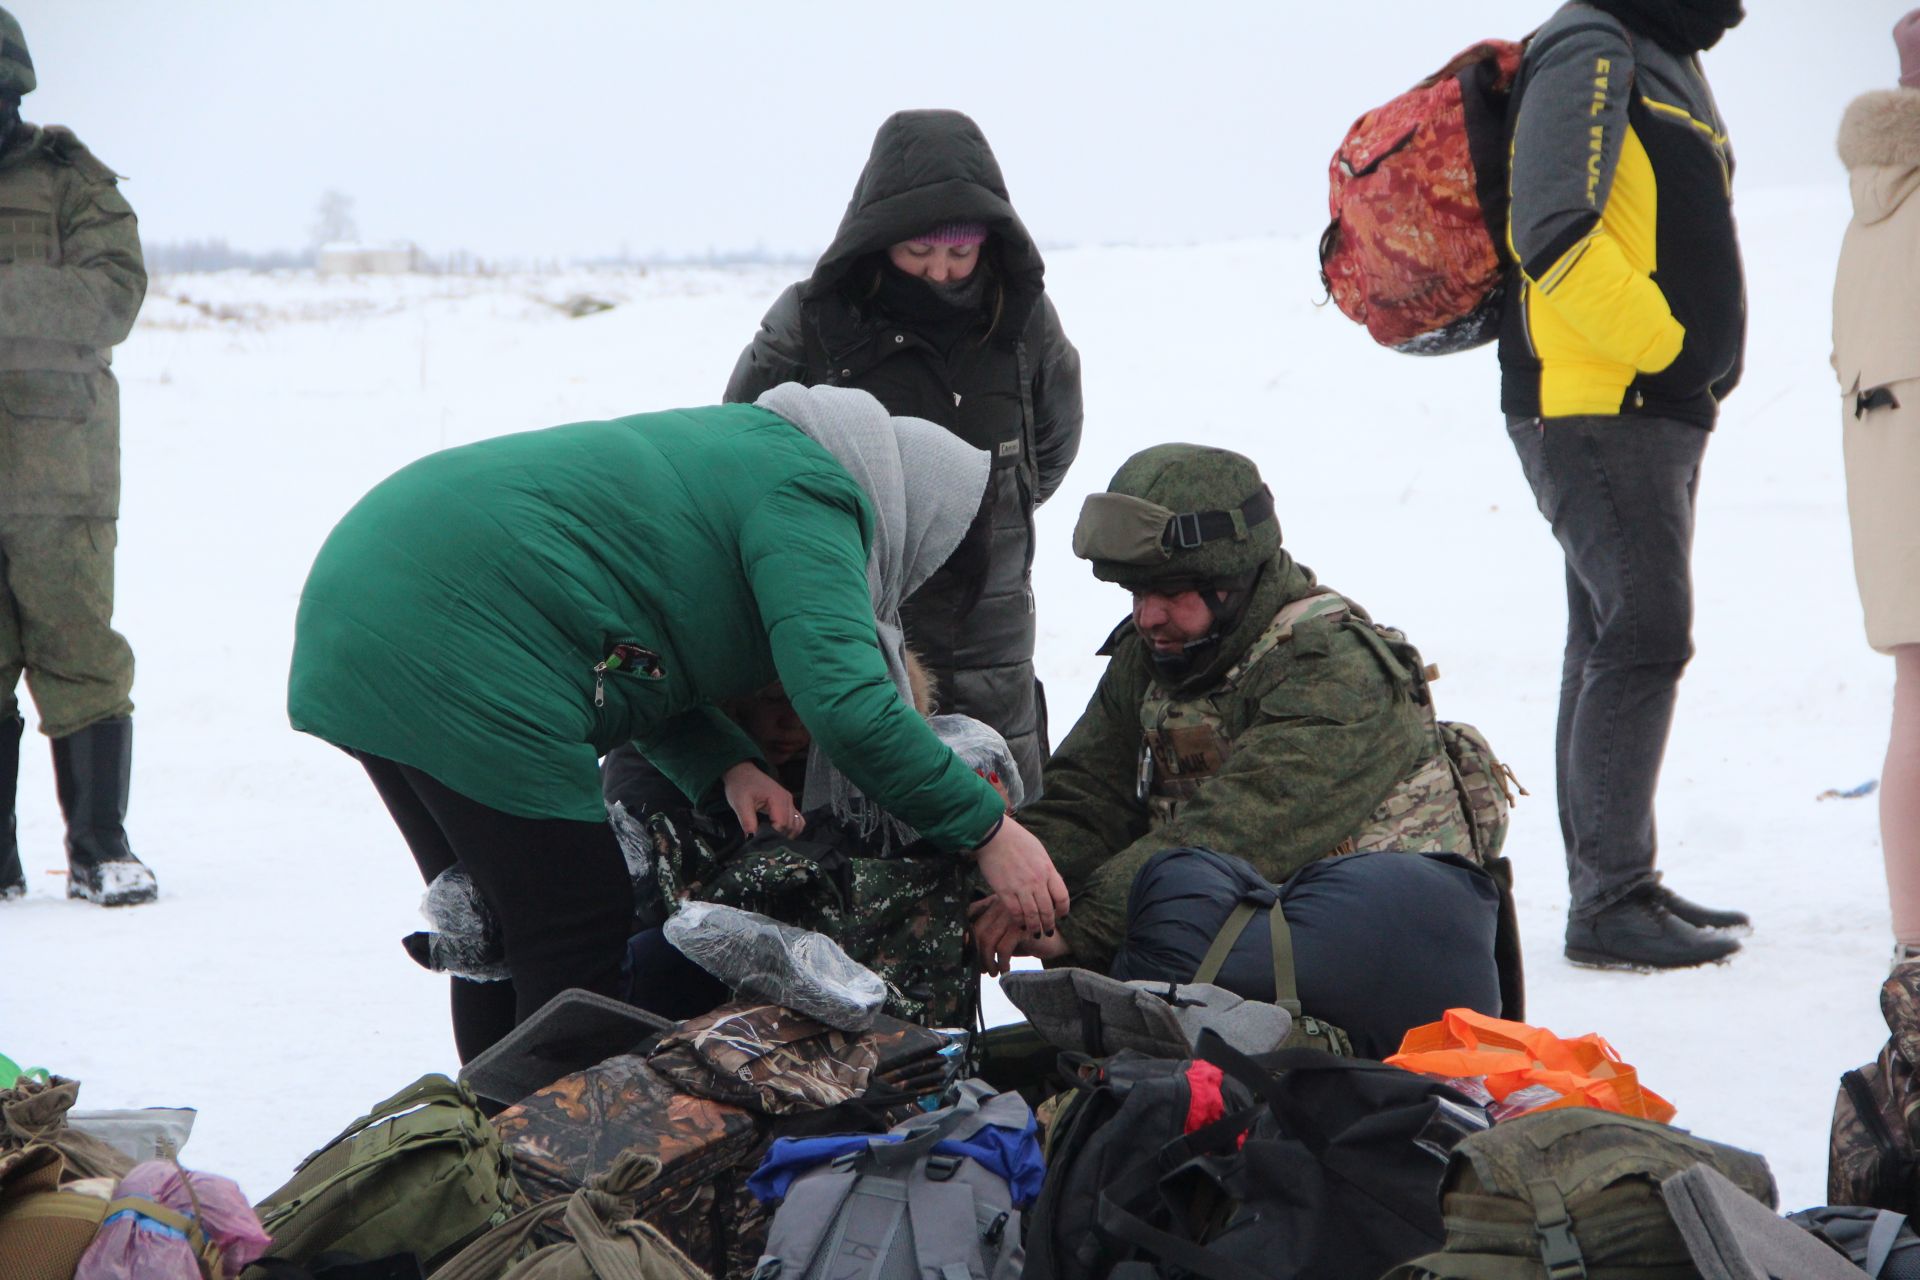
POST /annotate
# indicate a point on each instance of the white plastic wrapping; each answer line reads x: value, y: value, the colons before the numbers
x: 463, y: 939
x: 984, y: 751
x: 763, y: 959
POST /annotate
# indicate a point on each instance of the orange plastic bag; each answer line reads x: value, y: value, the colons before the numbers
x: 1511, y: 1056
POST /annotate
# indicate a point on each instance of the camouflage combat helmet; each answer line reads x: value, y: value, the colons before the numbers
x: 16, y: 68
x: 1178, y: 516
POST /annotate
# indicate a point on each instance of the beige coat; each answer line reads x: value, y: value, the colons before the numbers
x: 1876, y: 349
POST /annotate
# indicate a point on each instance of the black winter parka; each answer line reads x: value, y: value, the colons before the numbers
x: 1001, y: 376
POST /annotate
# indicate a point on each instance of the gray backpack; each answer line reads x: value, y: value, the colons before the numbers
x: 898, y: 1211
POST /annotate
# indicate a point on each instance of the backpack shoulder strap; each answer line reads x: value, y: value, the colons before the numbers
x: 944, y: 1241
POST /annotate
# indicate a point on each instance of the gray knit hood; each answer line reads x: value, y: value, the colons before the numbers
x: 924, y: 484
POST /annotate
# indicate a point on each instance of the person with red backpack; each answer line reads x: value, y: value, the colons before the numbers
x: 1623, y: 331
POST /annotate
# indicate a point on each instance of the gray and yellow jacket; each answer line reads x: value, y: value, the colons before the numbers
x: 71, y: 283
x: 1312, y: 746
x: 1628, y: 296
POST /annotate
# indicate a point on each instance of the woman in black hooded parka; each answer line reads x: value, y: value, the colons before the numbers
x: 931, y: 298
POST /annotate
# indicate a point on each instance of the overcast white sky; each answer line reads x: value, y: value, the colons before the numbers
x: 585, y: 127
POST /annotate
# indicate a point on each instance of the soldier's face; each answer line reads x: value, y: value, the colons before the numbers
x: 1167, y: 622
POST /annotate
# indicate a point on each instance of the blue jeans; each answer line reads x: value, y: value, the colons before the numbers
x: 1619, y: 495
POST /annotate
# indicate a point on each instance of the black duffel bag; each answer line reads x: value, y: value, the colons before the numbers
x: 1373, y: 943
x: 1334, y: 1174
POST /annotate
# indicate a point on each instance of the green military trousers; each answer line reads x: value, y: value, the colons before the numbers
x: 56, y: 622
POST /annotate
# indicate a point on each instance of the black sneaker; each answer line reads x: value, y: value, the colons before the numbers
x: 1703, y: 917
x: 1638, y: 932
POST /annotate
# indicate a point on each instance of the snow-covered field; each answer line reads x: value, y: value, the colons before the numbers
x: 268, y: 988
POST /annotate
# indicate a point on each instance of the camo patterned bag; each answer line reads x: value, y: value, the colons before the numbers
x: 766, y: 1059
x: 1871, y: 1157
x: 903, y: 917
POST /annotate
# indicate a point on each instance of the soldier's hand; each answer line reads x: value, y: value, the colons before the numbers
x: 750, y: 793
x: 996, y: 935
x: 1016, y: 867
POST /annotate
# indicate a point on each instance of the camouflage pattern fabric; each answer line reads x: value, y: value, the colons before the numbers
x: 1409, y: 253
x: 577, y: 1127
x: 1314, y: 738
x: 71, y: 283
x: 1186, y: 743
x: 56, y: 622
x: 1872, y: 1152
x: 904, y: 917
x: 765, y: 1058
x: 1486, y: 784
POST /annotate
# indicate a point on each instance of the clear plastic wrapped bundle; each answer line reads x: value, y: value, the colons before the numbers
x: 782, y: 964
x: 462, y: 938
x: 984, y: 751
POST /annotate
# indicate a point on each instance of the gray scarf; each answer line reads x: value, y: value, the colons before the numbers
x: 924, y: 485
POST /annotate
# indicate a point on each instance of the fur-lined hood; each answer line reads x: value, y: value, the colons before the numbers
x: 1880, y: 145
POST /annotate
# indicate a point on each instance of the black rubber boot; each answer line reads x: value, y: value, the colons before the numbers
x: 1638, y: 932
x: 13, y: 881
x: 1704, y: 917
x: 92, y: 770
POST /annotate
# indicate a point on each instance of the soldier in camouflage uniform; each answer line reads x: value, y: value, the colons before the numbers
x: 71, y: 282
x: 1244, y: 708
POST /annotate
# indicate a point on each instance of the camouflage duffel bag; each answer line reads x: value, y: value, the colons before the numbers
x: 1573, y: 1192
x: 904, y: 917
x: 717, y: 1090
x: 1871, y: 1157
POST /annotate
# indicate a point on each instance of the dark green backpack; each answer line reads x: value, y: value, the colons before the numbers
x: 422, y: 1173
x: 1573, y: 1192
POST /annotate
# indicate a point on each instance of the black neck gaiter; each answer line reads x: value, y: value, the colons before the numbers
x: 1685, y: 27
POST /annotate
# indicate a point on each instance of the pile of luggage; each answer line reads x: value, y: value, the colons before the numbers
x: 1126, y: 1128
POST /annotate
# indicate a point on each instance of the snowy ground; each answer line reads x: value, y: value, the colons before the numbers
x: 268, y: 989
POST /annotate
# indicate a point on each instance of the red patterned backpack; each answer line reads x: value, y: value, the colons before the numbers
x: 1416, y: 250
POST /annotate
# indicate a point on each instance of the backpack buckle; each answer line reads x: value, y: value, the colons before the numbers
x: 1559, y: 1250
x: 941, y: 1168
x: 1185, y: 529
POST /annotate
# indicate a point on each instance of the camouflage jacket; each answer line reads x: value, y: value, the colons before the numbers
x: 71, y: 282
x: 1322, y: 730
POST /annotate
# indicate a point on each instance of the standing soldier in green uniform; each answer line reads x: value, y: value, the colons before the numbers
x: 71, y: 282
x: 1244, y: 707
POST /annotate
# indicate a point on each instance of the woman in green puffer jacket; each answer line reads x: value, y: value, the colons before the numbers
x: 488, y: 622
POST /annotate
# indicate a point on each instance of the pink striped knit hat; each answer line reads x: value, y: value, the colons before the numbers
x: 956, y: 233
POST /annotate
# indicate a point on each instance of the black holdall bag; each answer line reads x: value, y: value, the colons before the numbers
x: 1334, y: 1174
x: 1123, y: 1109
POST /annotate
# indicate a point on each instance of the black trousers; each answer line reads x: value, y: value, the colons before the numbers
x: 557, y: 888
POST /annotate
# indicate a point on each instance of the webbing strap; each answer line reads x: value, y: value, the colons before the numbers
x: 1880, y: 1241
x: 1559, y: 1250
x: 1222, y: 946
x: 1286, y: 986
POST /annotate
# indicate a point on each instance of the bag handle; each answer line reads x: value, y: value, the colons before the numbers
x: 1286, y: 988
x: 487, y: 1257
x: 1118, y: 1223
x: 429, y: 1088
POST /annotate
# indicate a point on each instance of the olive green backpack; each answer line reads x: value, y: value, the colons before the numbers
x: 1573, y: 1192
x: 422, y: 1173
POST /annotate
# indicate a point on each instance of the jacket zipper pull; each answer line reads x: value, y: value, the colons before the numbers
x: 600, y: 684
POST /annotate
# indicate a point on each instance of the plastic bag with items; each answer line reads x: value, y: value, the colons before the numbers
x: 762, y: 959
x: 984, y: 751
x: 167, y: 1224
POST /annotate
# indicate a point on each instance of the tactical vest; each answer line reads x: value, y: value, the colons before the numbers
x: 1186, y: 742
x: 30, y: 180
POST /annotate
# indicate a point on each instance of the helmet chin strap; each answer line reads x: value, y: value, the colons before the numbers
x: 1227, y: 602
